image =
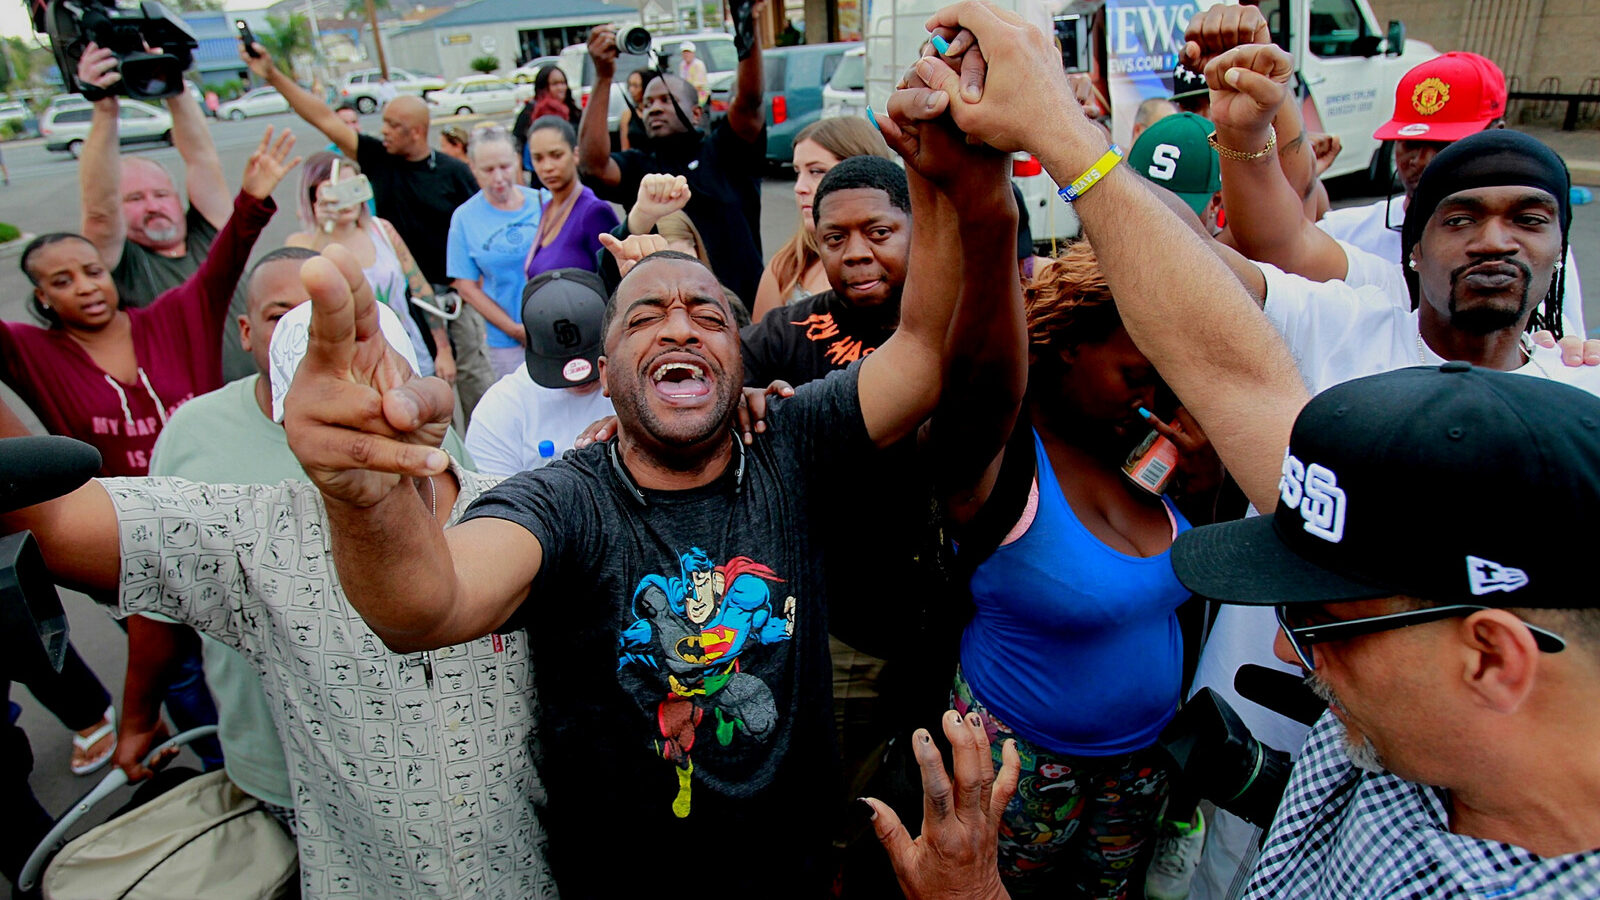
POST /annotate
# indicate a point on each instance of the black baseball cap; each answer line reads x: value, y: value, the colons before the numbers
x: 561, y: 312
x: 1452, y: 484
x: 1187, y: 83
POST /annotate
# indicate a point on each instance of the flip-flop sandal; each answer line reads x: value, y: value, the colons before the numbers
x: 85, y: 742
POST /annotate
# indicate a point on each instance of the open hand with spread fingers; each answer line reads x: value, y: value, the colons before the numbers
x: 956, y: 855
x: 266, y: 167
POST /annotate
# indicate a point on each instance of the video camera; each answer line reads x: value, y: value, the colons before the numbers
x: 33, y: 626
x: 152, y: 45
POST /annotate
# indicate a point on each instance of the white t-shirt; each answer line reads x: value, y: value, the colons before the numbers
x: 1363, y: 227
x: 1336, y: 332
x: 515, y: 414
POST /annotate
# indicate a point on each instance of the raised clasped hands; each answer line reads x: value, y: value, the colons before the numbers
x: 918, y: 128
x: 357, y: 417
x: 1004, y: 80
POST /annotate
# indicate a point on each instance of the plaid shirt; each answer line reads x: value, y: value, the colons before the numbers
x: 1345, y: 833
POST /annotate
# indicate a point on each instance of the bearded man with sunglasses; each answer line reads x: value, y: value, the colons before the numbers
x: 1460, y: 665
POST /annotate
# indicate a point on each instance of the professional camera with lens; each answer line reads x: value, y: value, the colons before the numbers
x: 636, y: 41
x: 152, y: 45
x: 1216, y: 754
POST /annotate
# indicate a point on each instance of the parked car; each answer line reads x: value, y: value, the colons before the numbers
x: 19, y: 118
x: 795, y: 78
x: 846, y: 93
x: 64, y: 100
x: 479, y: 94
x: 714, y: 48
x: 361, y: 87
x: 64, y: 127
x: 259, y: 102
x: 526, y: 73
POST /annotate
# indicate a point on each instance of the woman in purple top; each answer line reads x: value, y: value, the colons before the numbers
x: 574, y: 218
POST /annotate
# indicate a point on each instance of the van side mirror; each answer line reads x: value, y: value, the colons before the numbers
x: 1395, y: 39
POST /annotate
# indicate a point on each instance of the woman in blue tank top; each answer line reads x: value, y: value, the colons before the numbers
x: 1074, y: 649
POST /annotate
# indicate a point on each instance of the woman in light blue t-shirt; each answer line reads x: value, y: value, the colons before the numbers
x: 490, y: 235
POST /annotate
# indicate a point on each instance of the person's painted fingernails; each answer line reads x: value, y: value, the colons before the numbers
x: 863, y: 811
x: 1144, y: 413
x: 873, y: 118
x: 940, y: 44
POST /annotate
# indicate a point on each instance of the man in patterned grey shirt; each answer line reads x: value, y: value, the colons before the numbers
x: 413, y: 774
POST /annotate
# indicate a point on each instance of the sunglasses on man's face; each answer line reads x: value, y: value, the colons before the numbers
x: 1303, y: 637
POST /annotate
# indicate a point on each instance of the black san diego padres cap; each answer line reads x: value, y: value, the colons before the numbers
x: 1451, y: 484
x: 561, y: 312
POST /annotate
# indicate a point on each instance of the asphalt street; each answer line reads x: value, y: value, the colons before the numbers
x: 43, y: 197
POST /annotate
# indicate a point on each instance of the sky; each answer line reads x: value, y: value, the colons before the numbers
x: 14, y: 15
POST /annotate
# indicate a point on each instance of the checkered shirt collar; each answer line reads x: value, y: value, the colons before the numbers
x: 1343, y: 833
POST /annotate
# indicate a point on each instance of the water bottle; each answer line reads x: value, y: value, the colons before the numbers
x: 547, y: 453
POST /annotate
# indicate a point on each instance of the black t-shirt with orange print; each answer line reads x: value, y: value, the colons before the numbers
x: 809, y: 338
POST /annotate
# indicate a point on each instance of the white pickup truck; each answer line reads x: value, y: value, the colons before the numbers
x: 1347, y: 66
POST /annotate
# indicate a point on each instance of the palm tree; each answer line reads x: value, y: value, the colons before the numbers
x: 286, y: 37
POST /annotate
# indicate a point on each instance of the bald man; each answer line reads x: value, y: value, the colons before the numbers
x: 132, y: 211
x: 416, y: 188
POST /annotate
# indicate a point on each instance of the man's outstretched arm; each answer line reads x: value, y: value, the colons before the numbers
x: 202, y: 167
x: 100, y: 161
x: 367, y: 431
x: 594, y: 135
x: 76, y: 533
x: 986, y: 355
x: 305, y: 104
x: 1181, y: 304
x: 1266, y: 214
x: 900, y: 382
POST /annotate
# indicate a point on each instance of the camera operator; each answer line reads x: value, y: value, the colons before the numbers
x: 131, y: 209
x: 722, y: 166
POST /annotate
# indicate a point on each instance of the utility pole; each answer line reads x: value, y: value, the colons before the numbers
x: 377, y: 39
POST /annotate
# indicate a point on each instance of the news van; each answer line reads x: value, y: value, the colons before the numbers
x: 1346, y: 71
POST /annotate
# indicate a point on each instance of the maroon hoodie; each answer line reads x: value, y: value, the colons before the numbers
x: 177, y: 341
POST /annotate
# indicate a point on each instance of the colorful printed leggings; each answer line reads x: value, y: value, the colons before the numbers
x: 1078, y: 824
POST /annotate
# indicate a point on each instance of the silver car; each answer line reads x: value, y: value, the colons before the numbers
x: 259, y: 102
x: 65, y: 127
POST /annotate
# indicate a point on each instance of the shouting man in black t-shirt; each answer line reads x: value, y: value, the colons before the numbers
x: 723, y: 167
x: 671, y: 580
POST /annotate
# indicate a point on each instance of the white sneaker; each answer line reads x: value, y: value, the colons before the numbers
x: 1177, y: 856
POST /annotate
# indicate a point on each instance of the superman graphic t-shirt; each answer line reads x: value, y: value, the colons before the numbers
x: 679, y: 640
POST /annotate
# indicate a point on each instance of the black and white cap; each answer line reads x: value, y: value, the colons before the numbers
x: 561, y: 312
x: 1452, y: 484
x: 1187, y: 82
